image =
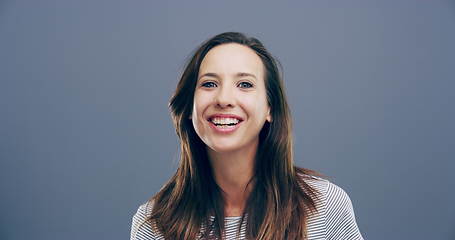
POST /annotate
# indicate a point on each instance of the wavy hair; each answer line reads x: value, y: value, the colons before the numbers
x: 190, y: 204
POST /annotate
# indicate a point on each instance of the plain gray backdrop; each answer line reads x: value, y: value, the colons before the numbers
x: 86, y: 135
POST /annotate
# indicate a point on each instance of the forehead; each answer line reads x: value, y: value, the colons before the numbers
x: 232, y: 58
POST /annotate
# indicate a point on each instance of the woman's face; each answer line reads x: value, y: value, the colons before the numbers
x: 230, y: 102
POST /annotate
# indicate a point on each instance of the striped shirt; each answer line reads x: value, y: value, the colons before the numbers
x: 335, y: 218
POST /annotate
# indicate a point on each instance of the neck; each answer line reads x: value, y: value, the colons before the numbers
x: 233, y: 171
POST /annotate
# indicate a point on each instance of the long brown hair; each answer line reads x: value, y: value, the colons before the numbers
x: 280, y: 201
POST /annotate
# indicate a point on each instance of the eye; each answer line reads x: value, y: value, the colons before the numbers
x: 245, y: 85
x: 208, y: 84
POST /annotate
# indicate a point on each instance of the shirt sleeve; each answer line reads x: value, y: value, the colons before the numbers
x: 340, y: 218
x: 140, y: 228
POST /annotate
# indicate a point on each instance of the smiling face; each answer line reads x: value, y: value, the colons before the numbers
x: 230, y: 101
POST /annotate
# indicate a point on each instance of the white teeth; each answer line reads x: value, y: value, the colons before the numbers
x: 217, y: 120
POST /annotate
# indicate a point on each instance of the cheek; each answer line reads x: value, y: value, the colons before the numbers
x: 196, y: 117
x: 256, y: 107
x: 200, y: 103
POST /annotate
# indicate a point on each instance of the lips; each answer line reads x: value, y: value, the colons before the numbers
x: 224, y: 123
x: 225, y: 116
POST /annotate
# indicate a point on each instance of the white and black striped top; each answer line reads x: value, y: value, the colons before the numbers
x: 335, y: 218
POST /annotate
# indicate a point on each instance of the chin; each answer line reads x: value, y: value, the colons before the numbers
x: 223, y: 147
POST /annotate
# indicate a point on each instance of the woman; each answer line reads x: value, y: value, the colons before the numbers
x: 236, y: 177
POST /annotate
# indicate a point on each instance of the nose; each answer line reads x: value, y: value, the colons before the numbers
x: 225, y: 97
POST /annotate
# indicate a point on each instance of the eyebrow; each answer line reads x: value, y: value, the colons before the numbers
x: 240, y: 74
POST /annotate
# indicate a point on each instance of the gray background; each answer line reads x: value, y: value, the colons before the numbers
x: 86, y: 136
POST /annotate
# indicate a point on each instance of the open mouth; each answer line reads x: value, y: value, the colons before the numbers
x: 225, y: 123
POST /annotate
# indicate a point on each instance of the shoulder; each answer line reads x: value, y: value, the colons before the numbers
x: 318, y: 183
x: 141, y: 227
x: 337, y: 198
x: 329, y: 192
x: 340, y: 217
x: 335, y: 211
